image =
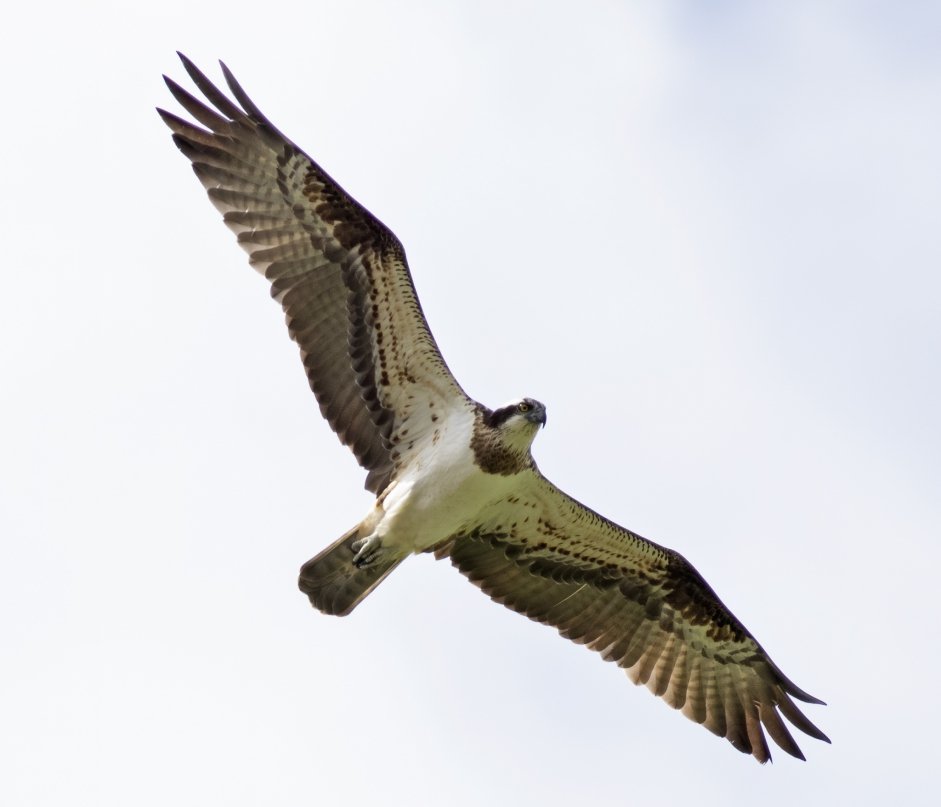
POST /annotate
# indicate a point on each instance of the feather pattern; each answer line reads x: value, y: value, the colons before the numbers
x: 636, y: 603
x: 340, y: 275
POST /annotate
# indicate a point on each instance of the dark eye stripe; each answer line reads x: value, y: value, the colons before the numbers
x: 503, y: 414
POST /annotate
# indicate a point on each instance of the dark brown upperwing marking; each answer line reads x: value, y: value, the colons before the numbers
x: 685, y: 590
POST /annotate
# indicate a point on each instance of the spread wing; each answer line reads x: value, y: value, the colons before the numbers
x: 641, y: 605
x: 339, y: 273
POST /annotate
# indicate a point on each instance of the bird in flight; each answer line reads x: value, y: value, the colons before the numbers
x: 451, y: 476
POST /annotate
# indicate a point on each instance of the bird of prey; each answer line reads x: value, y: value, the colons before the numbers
x: 452, y: 476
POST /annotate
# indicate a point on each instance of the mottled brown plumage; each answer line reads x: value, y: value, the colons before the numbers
x: 638, y: 604
x: 493, y: 455
x: 338, y: 272
x: 452, y: 476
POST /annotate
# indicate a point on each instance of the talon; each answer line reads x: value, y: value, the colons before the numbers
x: 366, y: 550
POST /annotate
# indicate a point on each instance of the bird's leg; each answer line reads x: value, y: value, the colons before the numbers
x: 366, y: 550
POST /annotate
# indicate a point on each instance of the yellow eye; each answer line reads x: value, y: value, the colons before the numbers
x: 524, y: 407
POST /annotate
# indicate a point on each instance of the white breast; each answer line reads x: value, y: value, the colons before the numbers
x: 439, y: 492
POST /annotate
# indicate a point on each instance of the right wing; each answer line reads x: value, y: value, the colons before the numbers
x: 641, y: 605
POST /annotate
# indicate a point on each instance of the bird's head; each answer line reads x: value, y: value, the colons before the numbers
x: 518, y: 421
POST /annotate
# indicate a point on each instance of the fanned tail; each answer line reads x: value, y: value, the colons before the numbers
x: 334, y: 584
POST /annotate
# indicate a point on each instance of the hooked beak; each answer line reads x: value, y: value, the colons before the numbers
x: 537, y: 415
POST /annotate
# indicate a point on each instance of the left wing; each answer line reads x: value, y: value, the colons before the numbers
x: 338, y: 272
x: 641, y: 605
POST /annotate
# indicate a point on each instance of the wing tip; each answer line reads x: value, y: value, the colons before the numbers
x: 796, y: 692
x: 189, y: 65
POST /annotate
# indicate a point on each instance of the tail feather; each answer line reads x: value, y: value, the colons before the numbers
x: 334, y: 584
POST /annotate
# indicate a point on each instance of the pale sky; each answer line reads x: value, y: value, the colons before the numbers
x: 709, y: 241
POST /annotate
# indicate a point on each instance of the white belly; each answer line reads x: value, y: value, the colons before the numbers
x: 438, y: 495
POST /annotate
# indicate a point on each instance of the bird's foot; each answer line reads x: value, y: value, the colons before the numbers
x: 366, y: 550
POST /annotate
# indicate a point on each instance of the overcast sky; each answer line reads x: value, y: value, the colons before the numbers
x: 709, y: 241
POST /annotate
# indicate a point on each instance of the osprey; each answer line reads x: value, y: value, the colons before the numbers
x: 450, y: 475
